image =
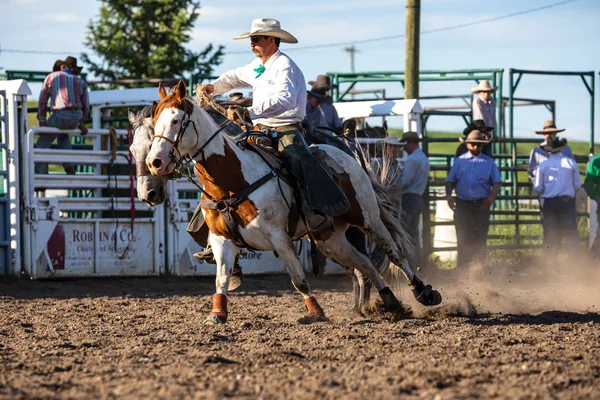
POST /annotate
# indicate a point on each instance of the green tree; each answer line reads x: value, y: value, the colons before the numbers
x: 143, y: 39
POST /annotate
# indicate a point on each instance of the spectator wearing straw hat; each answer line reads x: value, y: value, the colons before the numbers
x: 539, y: 154
x: 415, y: 176
x: 323, y: 84
x: 557, y: 180
x: 477, y: 181
x: 484, y: 105
x: 476, y: 125
x: 69, y: 102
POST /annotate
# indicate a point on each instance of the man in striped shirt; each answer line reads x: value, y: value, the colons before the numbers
x: 69, y: 103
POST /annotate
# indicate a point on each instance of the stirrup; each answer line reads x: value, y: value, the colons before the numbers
x: 320, y: 226
x: 206, y: 255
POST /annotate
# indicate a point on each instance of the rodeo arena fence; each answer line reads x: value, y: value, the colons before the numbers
x: 92, y: 223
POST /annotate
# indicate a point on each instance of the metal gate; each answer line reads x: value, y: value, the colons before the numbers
x: 5, y: 251
x: 91, y: 223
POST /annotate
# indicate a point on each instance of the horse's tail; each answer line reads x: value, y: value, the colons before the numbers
x: 388, y: 212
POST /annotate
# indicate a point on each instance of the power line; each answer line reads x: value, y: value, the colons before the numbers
x: 353, y: 42
x: 425, y: 32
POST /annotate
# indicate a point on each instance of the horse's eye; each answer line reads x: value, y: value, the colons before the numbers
x: 175, y: 122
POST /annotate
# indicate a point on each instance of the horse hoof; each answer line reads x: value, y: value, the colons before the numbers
x: 215, y: 320
x: 234, y: 283
x: 314, y: 310
x: 310, y: 319
x: 435, y: 298
x: 390, y: 302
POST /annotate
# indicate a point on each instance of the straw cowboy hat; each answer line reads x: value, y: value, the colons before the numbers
x: 478, y: 125
x: 411, y: 137
x: 484, y: 86
x: 322, y: 81
x: 268, y: 27
x: 554, y: 146
x: 549, y: 127
x: 392, y: 140
x: 317, y: 91
x: 475, y: 137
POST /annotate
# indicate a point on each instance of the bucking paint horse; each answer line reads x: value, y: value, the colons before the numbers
x: 151, y: 189
x: 240, y: 183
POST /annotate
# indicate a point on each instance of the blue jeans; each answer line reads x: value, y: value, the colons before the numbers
x: 61, y: 119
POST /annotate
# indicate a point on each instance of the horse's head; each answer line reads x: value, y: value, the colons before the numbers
x: 176, y: 132
x: 150, y: 189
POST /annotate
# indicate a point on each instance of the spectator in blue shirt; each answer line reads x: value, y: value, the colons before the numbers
x: 476, y: 179
x: 414, y: 178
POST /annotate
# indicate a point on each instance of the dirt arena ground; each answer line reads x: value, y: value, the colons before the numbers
x: 507, y: 334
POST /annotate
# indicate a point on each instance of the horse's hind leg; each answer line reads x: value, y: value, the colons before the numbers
x: 283, y: 245
x: 341, y: 251
x: 424, y: 294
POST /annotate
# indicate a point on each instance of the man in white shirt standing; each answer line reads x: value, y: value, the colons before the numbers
x: 279, y: 105
x: 557, y: 180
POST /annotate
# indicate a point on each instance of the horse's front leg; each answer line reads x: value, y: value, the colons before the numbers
x: 225, y: 252
x: 283, y: 245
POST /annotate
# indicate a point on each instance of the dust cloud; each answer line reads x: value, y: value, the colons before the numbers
x: 529, y: 285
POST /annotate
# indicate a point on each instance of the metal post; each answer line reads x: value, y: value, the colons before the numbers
x: 413, y: 16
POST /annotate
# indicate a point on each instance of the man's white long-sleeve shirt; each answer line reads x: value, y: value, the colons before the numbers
x: 279, y: 93
x: 557, y: 176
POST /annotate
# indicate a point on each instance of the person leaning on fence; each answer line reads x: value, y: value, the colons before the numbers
x: 556, y: 181
x: 477, y: 181
x: 323, y: 84
x: 69, y: 102
x: 415, y: 175
x: 592, y: 188
x: 476, y: 125
x: 484, y: 107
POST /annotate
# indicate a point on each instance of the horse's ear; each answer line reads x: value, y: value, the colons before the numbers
x: 154, y: 105
x: 385, y: 126
x: 131, y: 116
x: 181, y: 89
x: 367, y: 126
x: 162, y: 92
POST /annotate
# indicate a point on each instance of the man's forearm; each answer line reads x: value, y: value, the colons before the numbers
x: 495, y: 190
x: 449, y: 188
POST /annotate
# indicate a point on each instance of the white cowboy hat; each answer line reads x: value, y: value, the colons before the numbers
x: 268, y: 27
x: 392, y: 140
x: 484, y: 86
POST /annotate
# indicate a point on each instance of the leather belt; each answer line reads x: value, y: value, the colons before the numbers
x: 67, y: 109
x: 563, y: 197
x: 295, y: 125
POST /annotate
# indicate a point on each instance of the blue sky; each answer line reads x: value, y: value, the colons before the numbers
x: 564, y: 37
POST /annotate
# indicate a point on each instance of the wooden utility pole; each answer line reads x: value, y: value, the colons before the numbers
x: 413, y: 26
